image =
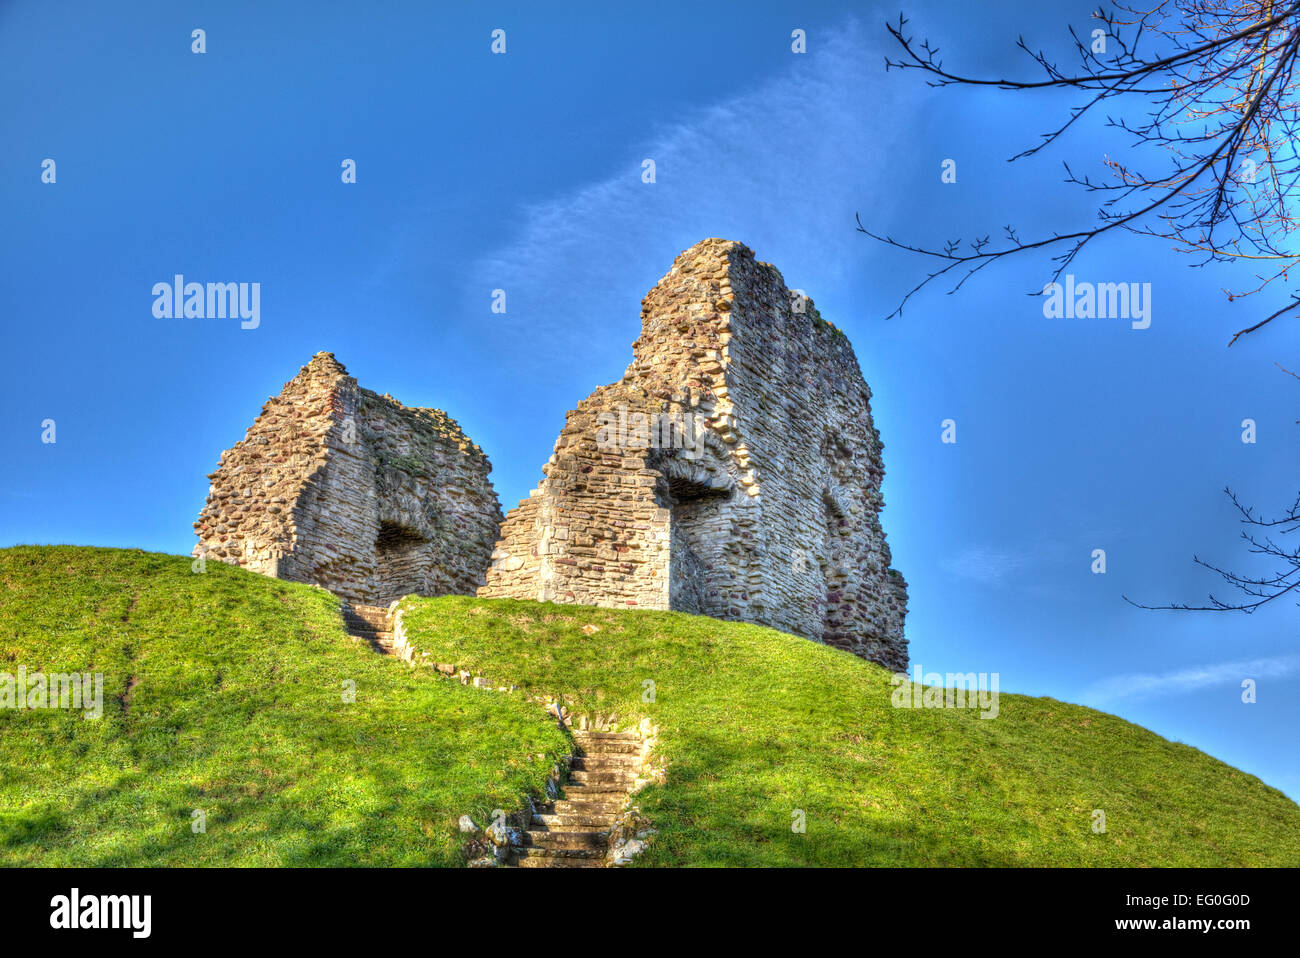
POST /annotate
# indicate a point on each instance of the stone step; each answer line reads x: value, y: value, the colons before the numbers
x: 375, y: 618
x: 569, y: 839
x: 579, y: 808
x: 551, y: 851
x: 572, y: 823
x: 616, y: 791
x: 597, y: 763
x: 357, y: 625
x: 369, y: 634
x: 601, y: 747
x: 616, y: 776
x: 582, y: 736
x: 576, y: 812
x: 542, y: 858
x: 379, y: 641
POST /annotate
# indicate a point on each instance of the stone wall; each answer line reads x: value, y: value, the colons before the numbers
x: 337, y: 485
x: 734, y: 471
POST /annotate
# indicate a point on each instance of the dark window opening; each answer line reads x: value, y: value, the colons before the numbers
x: 400, y: 561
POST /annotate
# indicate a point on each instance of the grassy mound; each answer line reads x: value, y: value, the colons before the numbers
x: 757, y: 726
x: 224, y: 694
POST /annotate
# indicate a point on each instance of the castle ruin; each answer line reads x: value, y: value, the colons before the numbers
x: 734, y: 472
x: 339, y: 486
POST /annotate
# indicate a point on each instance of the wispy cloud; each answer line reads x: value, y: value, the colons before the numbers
x: 782, y: 167
x: 1023, y: 563
x: 986, y: 565
x: 1140, y: 685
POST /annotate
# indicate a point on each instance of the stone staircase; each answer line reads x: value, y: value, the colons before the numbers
x: 371, y: 624
x: 574, y: 832
x: 591, y: 826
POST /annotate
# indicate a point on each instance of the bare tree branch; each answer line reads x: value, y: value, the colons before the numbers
x: 1222, y: 108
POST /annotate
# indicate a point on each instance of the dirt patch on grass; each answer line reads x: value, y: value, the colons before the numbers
x: 125, y: 697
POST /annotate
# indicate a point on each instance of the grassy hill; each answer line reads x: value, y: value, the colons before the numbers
x: 755, y: 724
x: 235, y: 708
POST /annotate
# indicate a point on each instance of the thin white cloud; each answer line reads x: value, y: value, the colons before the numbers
x: 993, y: 565
x: 782, y: 167
x: 1149, y: 685
x: 1023, y: 565
x: 985, y: 565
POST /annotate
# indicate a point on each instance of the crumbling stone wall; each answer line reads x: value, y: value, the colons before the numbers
x: 734, y: 471
x: 337, y: 485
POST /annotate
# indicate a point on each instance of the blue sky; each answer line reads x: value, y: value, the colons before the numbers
x: 523, y: 172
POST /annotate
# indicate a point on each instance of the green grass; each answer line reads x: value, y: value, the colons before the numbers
x: 755, y: 724
x: 236, y: 709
